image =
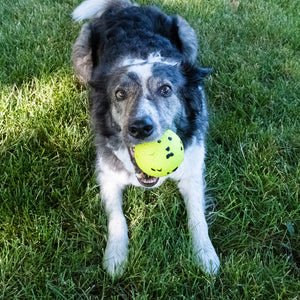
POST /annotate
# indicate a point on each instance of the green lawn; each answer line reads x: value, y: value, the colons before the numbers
x: 52, y: 225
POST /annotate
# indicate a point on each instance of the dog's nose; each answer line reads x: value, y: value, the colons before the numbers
x: 141, y: 128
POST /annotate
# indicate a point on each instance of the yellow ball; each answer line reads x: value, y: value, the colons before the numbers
x: 162, y: 157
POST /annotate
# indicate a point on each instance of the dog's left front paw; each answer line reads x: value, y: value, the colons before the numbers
x: 208, y: 259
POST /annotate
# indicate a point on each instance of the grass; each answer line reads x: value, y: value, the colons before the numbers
x: 52, y: 226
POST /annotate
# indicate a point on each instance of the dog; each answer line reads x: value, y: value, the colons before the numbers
x: 139, y: 65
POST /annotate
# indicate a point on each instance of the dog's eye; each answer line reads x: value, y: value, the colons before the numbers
x: 165, y: 90
x: 120, y: 95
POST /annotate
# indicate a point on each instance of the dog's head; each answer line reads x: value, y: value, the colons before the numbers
x: 140, y: 99
x: 139, y: 63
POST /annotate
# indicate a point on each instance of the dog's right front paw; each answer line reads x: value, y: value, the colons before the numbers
x: 115, y: 259
x: 208, y: 259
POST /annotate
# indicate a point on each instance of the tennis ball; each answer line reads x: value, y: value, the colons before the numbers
x: 162, y: 157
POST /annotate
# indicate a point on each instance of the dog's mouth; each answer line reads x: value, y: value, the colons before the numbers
x: 143, y: 178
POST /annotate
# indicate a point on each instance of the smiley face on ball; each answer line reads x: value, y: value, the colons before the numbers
x: 162, y: 157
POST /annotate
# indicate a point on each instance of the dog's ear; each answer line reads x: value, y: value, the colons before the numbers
x: 180, y: 33
x: 82, y: 54
x: 188, y: 39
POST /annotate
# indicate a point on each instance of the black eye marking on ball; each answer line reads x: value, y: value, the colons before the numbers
x: 159, y: 141
x: 181, y: 148
x: 168, y: 149
x: 169, y: 155
x: 175, y: 169
x: 158, y: 170
x: 169, y: 138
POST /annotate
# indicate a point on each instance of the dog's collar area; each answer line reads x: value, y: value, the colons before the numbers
x: 144, y: 179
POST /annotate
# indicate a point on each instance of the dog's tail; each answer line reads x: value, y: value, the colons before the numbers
x: 95, y: 8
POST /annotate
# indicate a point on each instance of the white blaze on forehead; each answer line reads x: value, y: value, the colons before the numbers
x: 151, y: 59
x: 142, y: 67
x: 143, y: 71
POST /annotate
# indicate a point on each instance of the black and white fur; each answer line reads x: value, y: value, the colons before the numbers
x: 139, y: 63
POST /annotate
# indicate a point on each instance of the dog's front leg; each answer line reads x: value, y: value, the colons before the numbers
x: 115, y: 256
x: 192, y: 190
